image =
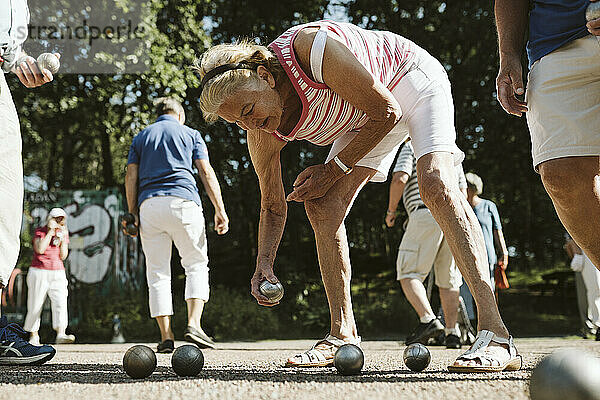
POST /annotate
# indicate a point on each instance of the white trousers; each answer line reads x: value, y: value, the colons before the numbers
x: 42, y: 282
x: 11, y: 183
x: 591, y: 279
x: 165, y: 220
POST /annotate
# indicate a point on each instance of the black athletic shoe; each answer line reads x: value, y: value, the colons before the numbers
x: 199, y: 338
x: 452, y: 341
x: 598, y: 335
x: 166, y: 347
x: 424, y: 332
x: 15, y: 350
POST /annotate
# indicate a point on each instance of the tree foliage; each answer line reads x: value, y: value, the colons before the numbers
x: 77, y: 130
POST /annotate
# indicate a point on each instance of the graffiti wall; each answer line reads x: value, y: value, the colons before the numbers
x: 99, y: 253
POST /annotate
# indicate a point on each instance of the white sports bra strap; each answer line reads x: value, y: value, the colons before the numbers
x: 316, y: 54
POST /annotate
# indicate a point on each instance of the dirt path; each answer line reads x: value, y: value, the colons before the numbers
x: 253, y: 371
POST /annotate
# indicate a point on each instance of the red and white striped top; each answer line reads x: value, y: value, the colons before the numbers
x: 325, y: 115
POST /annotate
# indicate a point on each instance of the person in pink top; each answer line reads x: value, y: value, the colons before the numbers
x: 364, y: 93
x: 46, y: 276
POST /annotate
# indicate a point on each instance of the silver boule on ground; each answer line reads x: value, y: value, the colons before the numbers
x: 571, y: 374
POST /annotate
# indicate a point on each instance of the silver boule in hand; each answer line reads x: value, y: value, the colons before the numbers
x: 274, y: 292
x: 592, y: 11
x: 48, y: 61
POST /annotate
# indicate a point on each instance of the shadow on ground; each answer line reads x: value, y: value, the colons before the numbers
x: 111, y: 373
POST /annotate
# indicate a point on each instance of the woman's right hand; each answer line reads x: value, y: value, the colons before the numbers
x: 261, y: 274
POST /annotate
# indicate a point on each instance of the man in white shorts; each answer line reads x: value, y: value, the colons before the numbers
x: 161, y: 189
x: 562, y: 104
x: 14, y: 19
x: 424, y: 247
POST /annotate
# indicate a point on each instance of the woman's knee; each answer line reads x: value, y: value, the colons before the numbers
x: 325, y: 214
x: 433, y: 188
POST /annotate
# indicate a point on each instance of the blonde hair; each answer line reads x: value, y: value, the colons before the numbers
x: 216, y: 90
x: 475, y: 182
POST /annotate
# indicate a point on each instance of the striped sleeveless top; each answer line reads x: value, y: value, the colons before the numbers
x: 325, y: 115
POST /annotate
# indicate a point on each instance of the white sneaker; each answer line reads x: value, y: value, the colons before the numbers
x: 65, y: 339
x: 35, y: 340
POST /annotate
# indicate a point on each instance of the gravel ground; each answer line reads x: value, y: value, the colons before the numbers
x: 254, y: 371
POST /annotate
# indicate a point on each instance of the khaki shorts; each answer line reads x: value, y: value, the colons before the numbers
x: 563, y: 96
x: 423, y: 246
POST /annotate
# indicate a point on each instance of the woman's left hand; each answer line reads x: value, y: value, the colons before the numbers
x: 314, y: 182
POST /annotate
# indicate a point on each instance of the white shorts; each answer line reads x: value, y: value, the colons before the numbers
x: 165, y: 220
x: 423, y: 246
x: 563, y: 96
x: 11, y: 183
x: 425, y: 98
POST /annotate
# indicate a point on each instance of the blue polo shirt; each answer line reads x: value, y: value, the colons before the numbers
x: 489, y: 219
x: 554, y: 23
x: 165, y: 152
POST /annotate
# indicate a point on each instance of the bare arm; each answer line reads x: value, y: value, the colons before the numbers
x: 511, y: 22
x: 211, y: 185
x: 397, y: 185
x: 131, y: 188
x: 265, y: 155
x: 499, y: 238
x: 41, y: 244
x: 64, y: 248
x: 345, y: 75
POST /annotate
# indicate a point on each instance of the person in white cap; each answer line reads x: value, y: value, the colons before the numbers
x: 46, y: 276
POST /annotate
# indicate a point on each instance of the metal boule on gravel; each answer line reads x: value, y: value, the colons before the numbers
x: 139, y: 361
x: 187, y: 360
x: 349, y: 359
x: 566, y: 374
x: 416, y: 357
x: 274, y: 292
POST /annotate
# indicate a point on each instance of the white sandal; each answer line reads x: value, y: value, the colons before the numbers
x: 315, y: 358
x: 491, y: 358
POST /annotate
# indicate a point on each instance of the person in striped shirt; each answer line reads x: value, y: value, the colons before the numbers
x: 362, y: 92
x: 424, y: 247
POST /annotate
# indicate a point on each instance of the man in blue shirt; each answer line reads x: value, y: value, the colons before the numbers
x: 562, y: 104
x: 163, y: 196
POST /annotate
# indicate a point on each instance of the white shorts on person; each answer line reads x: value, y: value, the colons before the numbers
x: 42, y: 282
x: 11, y: 183
x: 165, y: 220
x: 425, y: 97
x: 591, y: 279
x: 423, y: 246
x: 563, y: 97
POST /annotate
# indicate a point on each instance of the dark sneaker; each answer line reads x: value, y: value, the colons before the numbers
x: 424, y: 332
x: 199, y: 338
x: 166, y: 347
x: 598, y: 335
x: 15, y: 350
x: 452, y: 341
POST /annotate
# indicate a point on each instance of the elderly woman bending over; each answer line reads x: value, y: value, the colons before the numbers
x: 362, y: 92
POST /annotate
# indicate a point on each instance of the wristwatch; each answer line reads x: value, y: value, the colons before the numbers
x: 346, y: 170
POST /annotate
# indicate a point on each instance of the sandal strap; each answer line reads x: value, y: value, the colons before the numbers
x: 336, y: 341
x: 312, y: 356
x: 483, y: 339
